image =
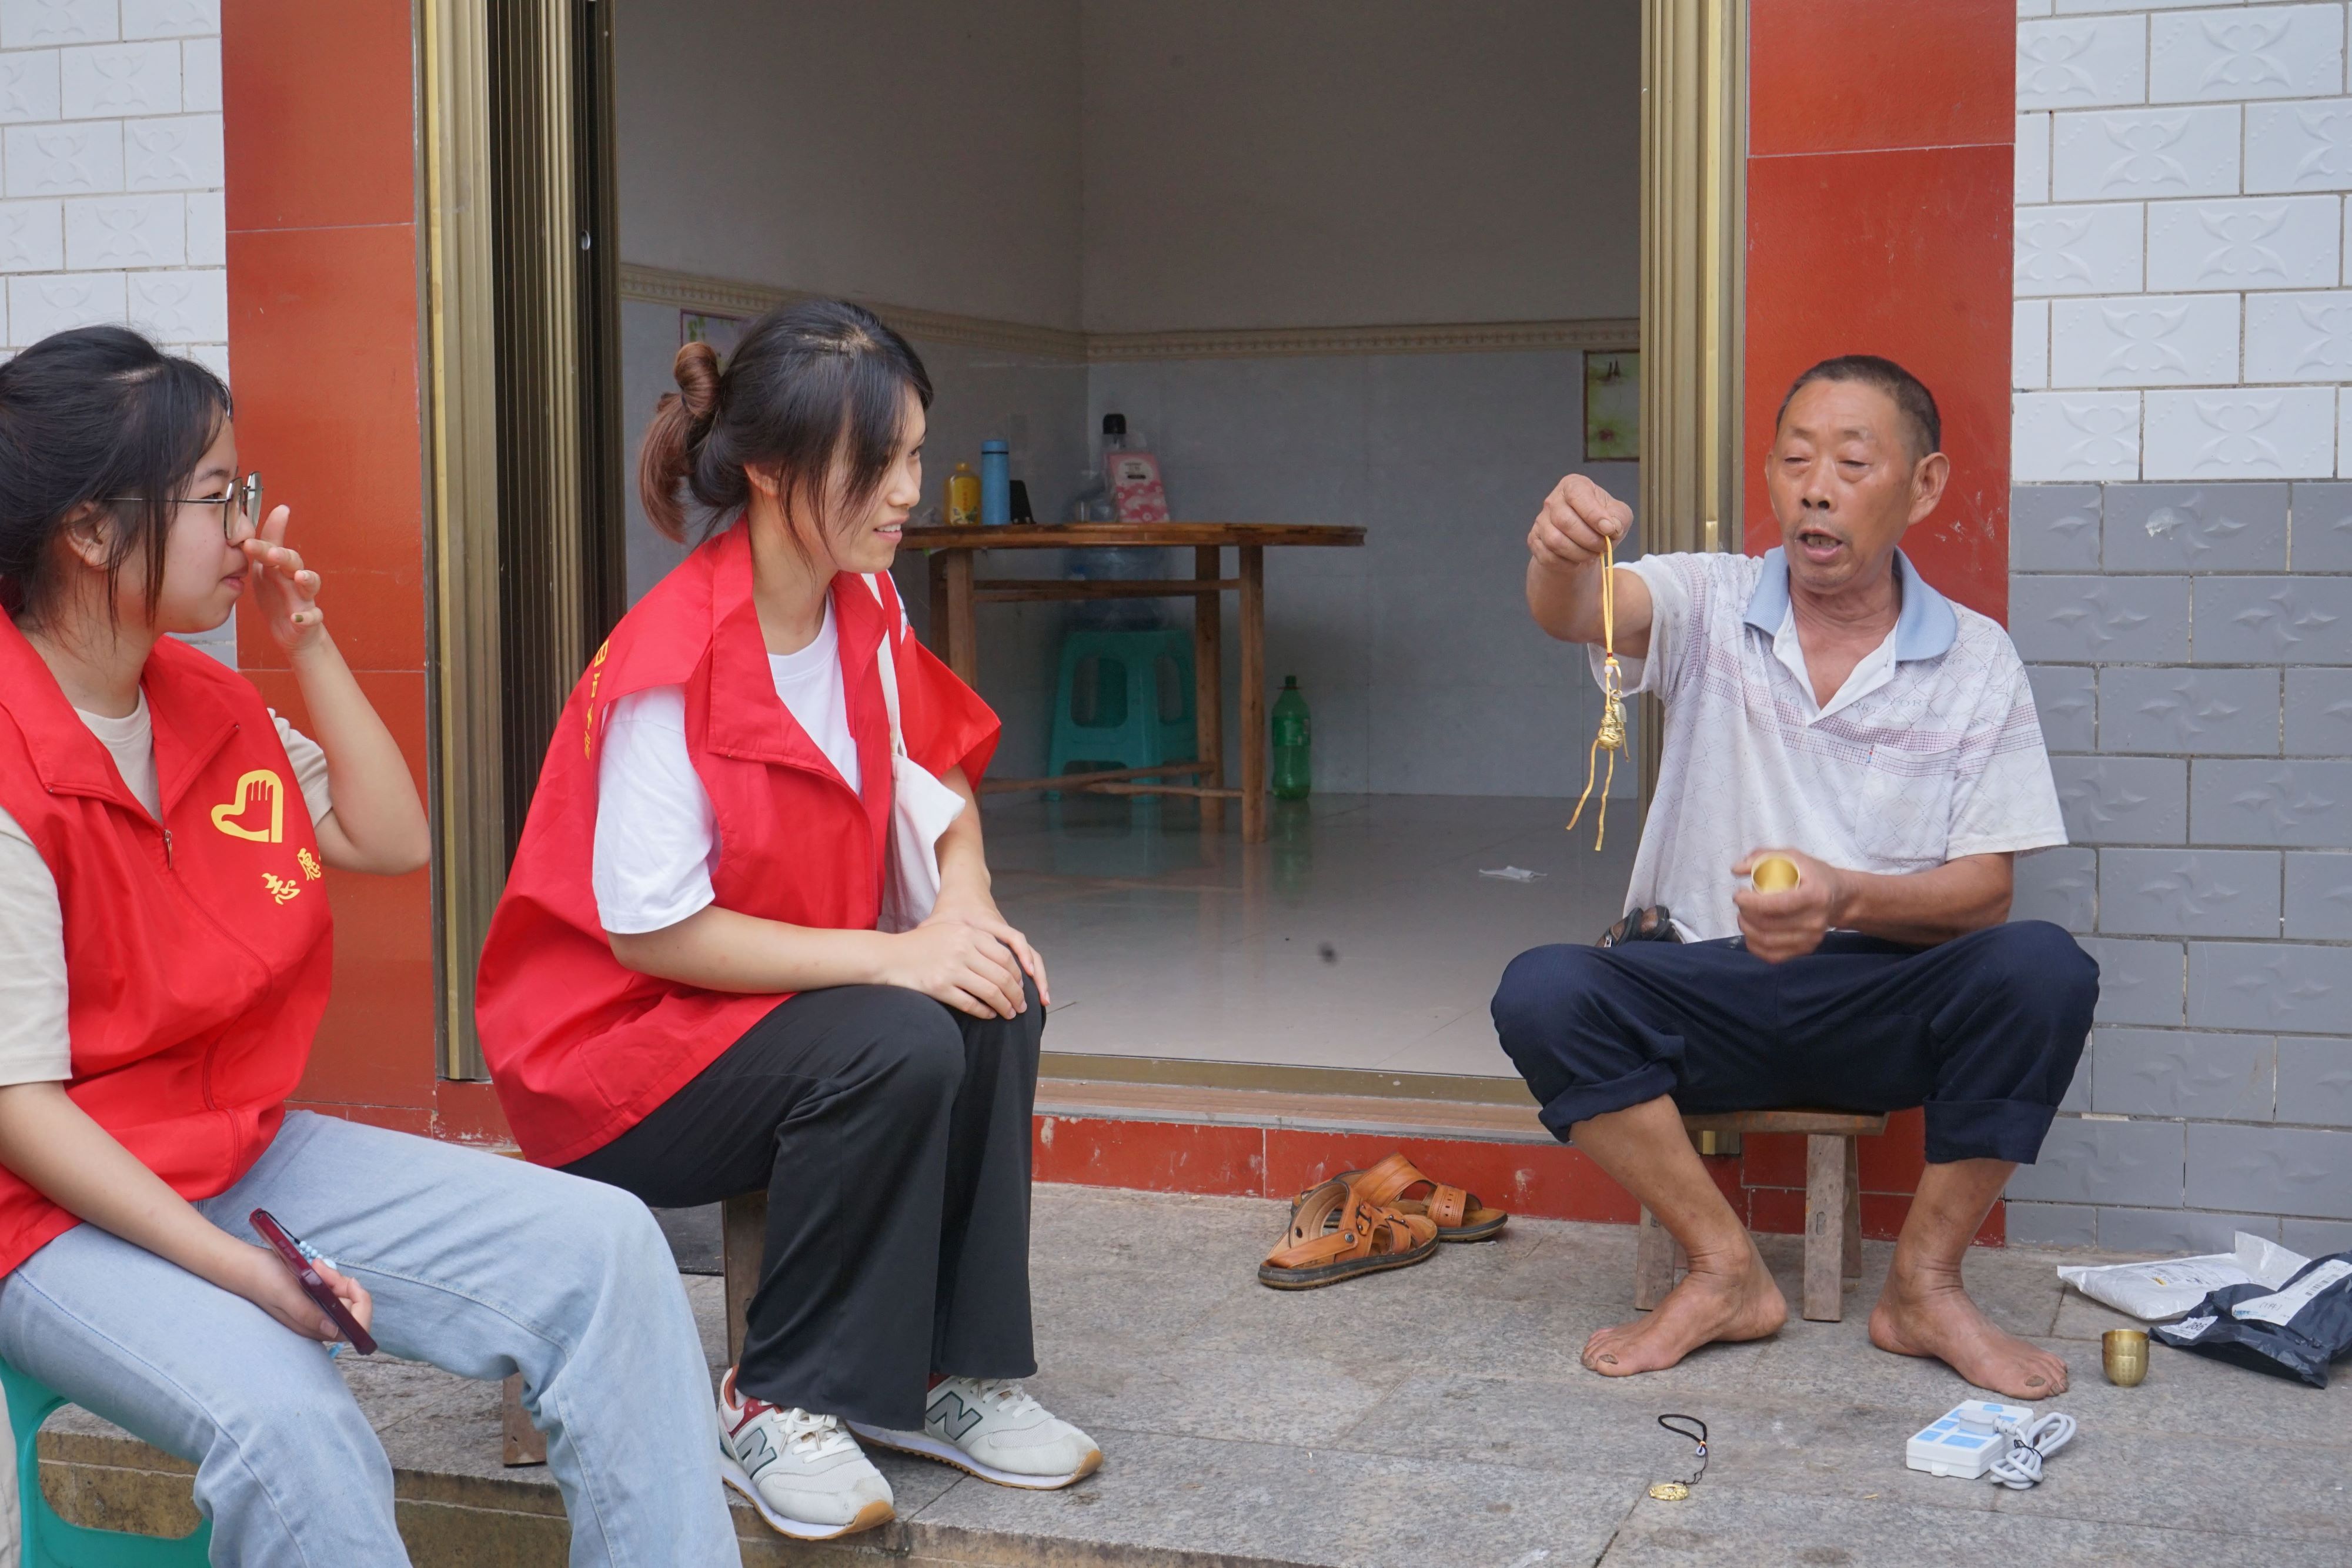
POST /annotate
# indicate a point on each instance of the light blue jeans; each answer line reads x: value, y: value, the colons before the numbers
x: 480, y: 1265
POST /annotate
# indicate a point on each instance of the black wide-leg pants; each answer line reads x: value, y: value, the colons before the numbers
x: 1984, y: 1031
x: 892, y: 1136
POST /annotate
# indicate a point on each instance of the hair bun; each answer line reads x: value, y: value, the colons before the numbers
x: 696, y: 370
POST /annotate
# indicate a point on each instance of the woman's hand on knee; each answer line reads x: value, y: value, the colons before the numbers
x: 953, y: 961
x: 264, y: 1280
x: 984, y: 916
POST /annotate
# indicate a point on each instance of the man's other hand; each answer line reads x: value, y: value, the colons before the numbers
x: 1790, y: 923
x: 1579, y: 519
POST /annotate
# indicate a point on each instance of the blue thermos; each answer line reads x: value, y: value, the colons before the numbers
x: 995, y: 484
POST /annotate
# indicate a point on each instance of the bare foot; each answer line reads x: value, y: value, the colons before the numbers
x: 1711, y: 1303
x: 1928, y: 1314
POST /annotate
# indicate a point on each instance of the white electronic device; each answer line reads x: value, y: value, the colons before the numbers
x: 1966, y: 1442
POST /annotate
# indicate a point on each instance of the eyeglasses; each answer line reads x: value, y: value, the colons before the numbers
x: 244, y: 499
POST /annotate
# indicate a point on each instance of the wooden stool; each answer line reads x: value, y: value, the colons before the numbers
x: 1832, y: 1207
x: 742, y: 1238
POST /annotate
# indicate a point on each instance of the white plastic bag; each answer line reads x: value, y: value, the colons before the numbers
x: 2168, y: 1287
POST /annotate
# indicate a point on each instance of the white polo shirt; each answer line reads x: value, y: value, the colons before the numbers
x: 1931, y: 750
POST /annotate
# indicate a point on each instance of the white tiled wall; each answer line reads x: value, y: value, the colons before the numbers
x: 2184, y: 278
x: 110, y: 170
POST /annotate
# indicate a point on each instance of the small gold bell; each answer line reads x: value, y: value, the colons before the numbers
x: 1670, y: 1492
x: 1774, y: 874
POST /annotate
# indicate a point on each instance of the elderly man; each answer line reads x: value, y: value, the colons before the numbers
x: 1823, y: 703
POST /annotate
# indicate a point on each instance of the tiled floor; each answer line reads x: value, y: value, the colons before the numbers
x: 1362, y: 935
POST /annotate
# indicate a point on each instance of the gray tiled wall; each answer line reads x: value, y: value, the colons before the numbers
x: 2188, y: 646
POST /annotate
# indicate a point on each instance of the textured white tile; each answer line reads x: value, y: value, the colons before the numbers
x: 2032, y: 158
x: 2112, y: 153
x: 2082, y: 63
x: 120, y: 78
x: 189, y: 306
x: 2079, y: 250
x: 2252, y: 432
x: 2299, y: 146
x: 28, y: 86
x: 39, y: 306
x: 2347, y: 245
x: 170, y: 18
x: 110, y: 232
x: 2074, y: 435
x: 182, y: 153
x: 199, y: 76
x: 32, y: 237
x: 207, y: 229
x: 63, y: 159
x: 214, y: 357
x: 2344, y: 433
x: 2033, y: 8
x: 2280, y: 242
x: 2029, y: 344
x: 28, y: 24
x: 2260, y: 51
x: 2299, y: 336
x: 2066, y: 7
x: 2149, y: 340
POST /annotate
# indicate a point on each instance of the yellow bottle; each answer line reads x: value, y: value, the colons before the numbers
x: 962, y: 508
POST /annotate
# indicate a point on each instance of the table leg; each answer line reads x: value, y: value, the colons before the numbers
x: 937, y: 567
x: 963, y: 652
x: 1209, y: 684
x: 1254, y: 732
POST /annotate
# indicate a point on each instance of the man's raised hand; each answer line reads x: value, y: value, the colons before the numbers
x: 1578, y: 519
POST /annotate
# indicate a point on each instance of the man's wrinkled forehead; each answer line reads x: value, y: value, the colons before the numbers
x: 1830, y: 413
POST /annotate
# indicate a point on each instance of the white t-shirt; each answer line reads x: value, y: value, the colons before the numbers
x: 657, y: 838
x: 1931, y: 750
x: 34, y: 1047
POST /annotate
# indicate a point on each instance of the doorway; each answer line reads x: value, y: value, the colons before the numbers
x: 1341, y: 264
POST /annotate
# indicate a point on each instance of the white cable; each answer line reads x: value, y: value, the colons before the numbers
x: 2030, y: 1443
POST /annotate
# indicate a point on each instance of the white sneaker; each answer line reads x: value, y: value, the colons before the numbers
x: 806, y: 1475
x: 990, y: 1428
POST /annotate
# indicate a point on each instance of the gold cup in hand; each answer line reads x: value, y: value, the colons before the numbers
x: 1774, y: 874
x: 2125, y: 1354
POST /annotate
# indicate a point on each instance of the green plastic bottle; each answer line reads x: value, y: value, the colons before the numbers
x: 1293, y: 741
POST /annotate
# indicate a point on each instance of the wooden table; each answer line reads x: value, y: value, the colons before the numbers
x: 954, y: 634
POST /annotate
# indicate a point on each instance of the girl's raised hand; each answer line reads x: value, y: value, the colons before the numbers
x: 286, y: 591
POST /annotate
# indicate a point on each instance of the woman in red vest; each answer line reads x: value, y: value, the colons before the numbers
x: 166, y: 846
x: 684, y: 991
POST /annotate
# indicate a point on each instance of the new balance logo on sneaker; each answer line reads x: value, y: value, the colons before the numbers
x: 988, y: 1428
x: 804, y: 1474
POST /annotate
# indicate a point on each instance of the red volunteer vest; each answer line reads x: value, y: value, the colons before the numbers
x: 581, y: 1048
x: 198, y: 949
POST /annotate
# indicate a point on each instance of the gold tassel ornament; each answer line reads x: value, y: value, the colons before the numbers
x: 1611, y: 736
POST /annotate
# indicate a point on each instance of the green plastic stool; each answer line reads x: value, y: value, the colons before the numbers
x: 1128, y: 727
x: 49, y: 1542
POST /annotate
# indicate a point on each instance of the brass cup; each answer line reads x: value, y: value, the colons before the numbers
x: 1774, y: 874
x: 2125, y: 1354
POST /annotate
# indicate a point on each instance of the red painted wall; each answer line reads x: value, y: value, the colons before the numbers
x: 325, y: 353
x: 1879, y: 199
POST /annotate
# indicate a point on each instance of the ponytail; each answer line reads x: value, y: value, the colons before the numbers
x: 808, y: 384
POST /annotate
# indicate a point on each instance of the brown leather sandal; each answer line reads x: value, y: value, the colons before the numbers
x: 1335, y: 1235
x: 1458, y: 1214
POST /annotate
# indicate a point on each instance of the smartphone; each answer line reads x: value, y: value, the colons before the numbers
x: 328, y: 1302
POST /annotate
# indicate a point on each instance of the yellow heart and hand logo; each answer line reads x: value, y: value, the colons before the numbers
x: 230, y: 816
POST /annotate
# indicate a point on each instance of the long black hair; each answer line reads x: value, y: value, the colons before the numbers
x: 89, y: 414
x: 807, y: 382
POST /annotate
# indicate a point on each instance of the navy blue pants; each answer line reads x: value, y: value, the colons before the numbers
x: 1984, y: 1031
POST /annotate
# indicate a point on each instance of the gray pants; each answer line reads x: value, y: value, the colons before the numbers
x: 479, y: 1265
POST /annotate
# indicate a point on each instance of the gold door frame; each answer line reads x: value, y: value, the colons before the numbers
x: 1694, y: 235
x: 523, y: 477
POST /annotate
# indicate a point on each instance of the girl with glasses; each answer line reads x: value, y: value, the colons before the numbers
x: 167, y: 848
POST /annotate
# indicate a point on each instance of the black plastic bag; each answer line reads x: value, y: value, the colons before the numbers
x: 2292, y: 1332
